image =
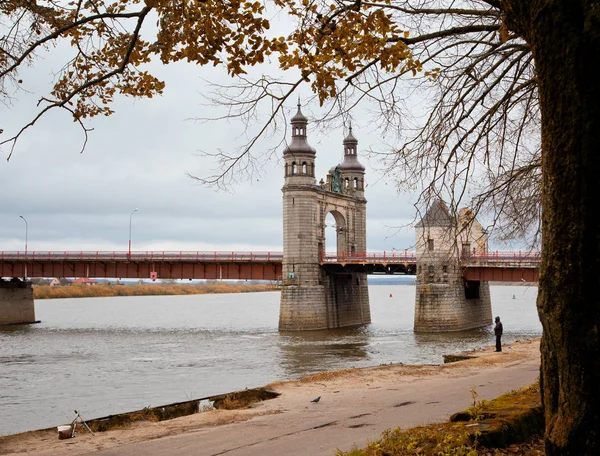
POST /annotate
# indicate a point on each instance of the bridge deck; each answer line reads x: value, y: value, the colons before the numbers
x: 142, y: 265
x: 506, y: 266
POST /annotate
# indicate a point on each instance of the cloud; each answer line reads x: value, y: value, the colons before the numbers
x: 139, y: 157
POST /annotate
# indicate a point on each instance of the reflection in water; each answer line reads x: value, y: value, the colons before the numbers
x: 453, y: 342
x: 110, y: 355
x: 453, y: 338
x: 307, y: 352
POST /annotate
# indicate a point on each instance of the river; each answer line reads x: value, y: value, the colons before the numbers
x: 108, y: 355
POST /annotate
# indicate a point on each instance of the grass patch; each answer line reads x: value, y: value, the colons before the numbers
x: 487, y: 428
x: 111, y: 290
x: 442, y: 439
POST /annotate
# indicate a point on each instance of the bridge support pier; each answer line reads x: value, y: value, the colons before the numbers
x: 313, y: 297
x: 16, y: 302
x: 445, y: 300
x: 338, y: 301
x: 455, y: 305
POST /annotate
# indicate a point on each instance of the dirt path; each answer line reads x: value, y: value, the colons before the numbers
x: 355, y: 406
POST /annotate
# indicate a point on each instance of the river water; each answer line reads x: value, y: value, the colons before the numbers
x: 109, y: 355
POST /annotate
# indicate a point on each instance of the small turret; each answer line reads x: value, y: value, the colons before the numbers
x: 299, y: 156
x: 352, y: 171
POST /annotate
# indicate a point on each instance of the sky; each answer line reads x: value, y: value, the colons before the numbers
x: 140, y: 157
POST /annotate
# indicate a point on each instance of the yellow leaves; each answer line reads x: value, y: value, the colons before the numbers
x: 333, y: 42
x: 338, y: 42
x: 229, y: 31
x: 433, y: 74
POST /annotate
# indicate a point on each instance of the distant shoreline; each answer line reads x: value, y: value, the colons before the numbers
x: 113, y: 290
x: 109, y: 290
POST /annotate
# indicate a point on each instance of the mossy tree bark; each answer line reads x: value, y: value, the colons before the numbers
x: 565, y: 39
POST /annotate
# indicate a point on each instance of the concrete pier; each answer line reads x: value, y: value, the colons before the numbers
x: 311, y: 297
x: 16, y: 302
x: 445, y: 301
x: 342, y: 300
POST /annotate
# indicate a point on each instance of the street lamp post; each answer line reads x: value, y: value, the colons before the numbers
x: 130, y: 217
x: 26, y: 230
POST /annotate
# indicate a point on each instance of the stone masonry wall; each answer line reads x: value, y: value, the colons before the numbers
x: 310, y: 299
x: 341, y: 301
x: 441, y: 303
x: 16, y: 303
x: 300, y: 211
x: 302, y: 308
x: 442, y: 307
x: 347, y: 300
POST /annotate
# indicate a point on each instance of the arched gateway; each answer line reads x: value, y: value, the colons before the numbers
x: 311, y: 297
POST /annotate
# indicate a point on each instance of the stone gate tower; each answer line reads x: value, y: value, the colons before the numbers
x: 445, y: 301
x: 313, y: 296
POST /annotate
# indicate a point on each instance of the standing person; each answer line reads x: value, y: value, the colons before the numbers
x: 498, y: 332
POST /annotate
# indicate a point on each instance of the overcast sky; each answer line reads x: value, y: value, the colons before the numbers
x: 139, y: 157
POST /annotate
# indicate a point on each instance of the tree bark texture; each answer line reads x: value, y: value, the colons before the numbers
x: 564, y: 36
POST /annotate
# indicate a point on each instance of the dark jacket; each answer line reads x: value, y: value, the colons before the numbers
x: 498, y: 328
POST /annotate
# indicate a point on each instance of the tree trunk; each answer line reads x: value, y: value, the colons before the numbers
x: 565, y: 40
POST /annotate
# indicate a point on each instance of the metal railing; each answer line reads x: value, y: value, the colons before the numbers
x: 189, y: 256
x: 503, y: 257
x: 227, y: 256
x: 411, y: 257
x: 369, y: 257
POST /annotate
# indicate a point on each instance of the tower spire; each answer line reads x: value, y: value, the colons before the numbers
x: 351, y: 162
x: 299, y: 143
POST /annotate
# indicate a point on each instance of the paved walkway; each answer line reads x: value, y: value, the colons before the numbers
x: 343, y: 417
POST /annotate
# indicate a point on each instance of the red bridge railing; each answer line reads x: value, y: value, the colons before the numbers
x: 223, y: 256
x: 143, y: 256
x: 369, y: 257
x: 411, y: 257
x: 504, y: 257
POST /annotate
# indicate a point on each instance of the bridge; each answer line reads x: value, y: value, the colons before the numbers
x: 491, y: 266
x: 452, y: 263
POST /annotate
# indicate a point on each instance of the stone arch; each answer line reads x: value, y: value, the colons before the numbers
x: 341, y: 231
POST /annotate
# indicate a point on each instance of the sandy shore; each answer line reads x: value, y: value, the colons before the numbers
x: 347, y: 398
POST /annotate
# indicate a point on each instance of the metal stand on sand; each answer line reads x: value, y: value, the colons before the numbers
x: 79, y: 420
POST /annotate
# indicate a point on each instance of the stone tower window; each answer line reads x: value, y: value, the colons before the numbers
x: 466, y: 248
x: 430, y: 244
x: 294, y: 168
x: 355, y: 182
x: 304, y: 168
